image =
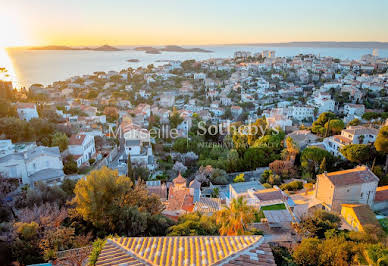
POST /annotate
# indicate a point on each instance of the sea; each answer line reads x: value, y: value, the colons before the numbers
x: 26, y: 67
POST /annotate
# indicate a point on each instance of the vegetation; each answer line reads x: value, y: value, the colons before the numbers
x: 234, y: 220
x: 194, y: 224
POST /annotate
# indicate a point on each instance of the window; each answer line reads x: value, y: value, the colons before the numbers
x: 362, y: 194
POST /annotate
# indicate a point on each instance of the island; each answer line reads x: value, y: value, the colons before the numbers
x: 170, y: 48
x: 148, y: 49
x: 104, y: 48
x: 133, y: 60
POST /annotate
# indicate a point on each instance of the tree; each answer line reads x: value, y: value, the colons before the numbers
x: 370, y: 116
x: 307, y: 253
x: 312, y: 158
x: 354, y: 122
x: 334, y: 126
x: 233, y: 220
x: 179, y: 167
x: 381, y: 144
x: 6, y: 109
x: 317, y: 224
x: 285, y: 169
x: 318, y: 125
x: 291, y: 150
x: 129, y: 169
x: 60, y: 140
x: 194, y: 224
x: 358, y: 153
x: 322, y: 166
x: 98, y: 193
x: 70, y: 165
x: 175, y: 119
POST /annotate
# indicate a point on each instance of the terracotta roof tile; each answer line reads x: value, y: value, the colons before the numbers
x: 358, y: 175
x: 77, y: 139
x: 381, y: 193
x: 186, y: 250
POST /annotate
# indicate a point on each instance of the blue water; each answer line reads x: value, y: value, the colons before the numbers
x: 45, y: 67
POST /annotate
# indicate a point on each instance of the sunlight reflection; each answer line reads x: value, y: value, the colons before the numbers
x: 7, y: 71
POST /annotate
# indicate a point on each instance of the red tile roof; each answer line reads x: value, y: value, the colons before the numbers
x: 179, y: 180
x: 77, y: 139
x: 381, y: 193
x: 358, y: 175
x: 186, y: 250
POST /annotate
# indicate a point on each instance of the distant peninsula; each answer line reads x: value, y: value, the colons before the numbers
x: 104, y: 48
x: 170, y: 48
x: 323, y: 44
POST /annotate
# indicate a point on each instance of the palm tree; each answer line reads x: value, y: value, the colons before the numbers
x: 235, y: 218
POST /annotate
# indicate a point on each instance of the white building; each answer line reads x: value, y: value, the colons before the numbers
x: 354, y: 109
x: 167, y: 100
x: 137, y: 143
x: 324, y: 102
x: 302, y: 113
x: 199, y: 76
x: 82, y: 147
x: 30, y: 163
x: 27, y: 111
x: 351, y: 135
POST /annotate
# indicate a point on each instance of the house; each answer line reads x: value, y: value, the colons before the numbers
x: 303, y: 137
x: 279, y: 121
x: 359, y: 216
x: 167, y: 100
x: 27, y: 111
x: 350, y: 135
x: 180, y: 198
x: 82, y: 147
x: 236, y: 110
x: 381, y: 199
x: 207, y: 205
x: 30, y: 164
x: 137, y: 143
x: 324, y: 102
x: 302, y: 113
x: 354, y: 109
x: 353, y: 186
x: 186, y: 250
x: 240, y: 189
x: 268, y: 197
x: 157, y: 188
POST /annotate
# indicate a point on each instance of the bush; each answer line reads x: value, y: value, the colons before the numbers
x: 92, y: 161
x: 98, y: 245
x: 292, y: 186
x: 239, y: 178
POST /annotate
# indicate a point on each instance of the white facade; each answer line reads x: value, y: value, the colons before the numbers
x: 36, y: 163
x: 82, y: 147
x: 27, y: 112
x: 302, y: 112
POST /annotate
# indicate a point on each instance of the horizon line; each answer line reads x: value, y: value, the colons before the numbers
x: 213, y: 44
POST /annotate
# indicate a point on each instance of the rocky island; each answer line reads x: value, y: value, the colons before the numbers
x: 104, y: 48
x: 170, y: 48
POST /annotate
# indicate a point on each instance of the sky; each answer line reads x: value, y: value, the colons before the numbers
x: 189, y: 22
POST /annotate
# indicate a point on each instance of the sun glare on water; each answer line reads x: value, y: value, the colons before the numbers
x: 7, y: 71
x: 11, y: 34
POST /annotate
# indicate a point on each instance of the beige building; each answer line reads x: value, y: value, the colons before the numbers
x: 353, y: 186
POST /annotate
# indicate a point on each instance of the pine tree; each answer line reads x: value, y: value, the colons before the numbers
x: 322, y: 167
x: 130, y: 170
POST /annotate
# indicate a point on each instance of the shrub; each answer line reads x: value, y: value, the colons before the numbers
x: 239, y: 178
x: 98, y: 245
